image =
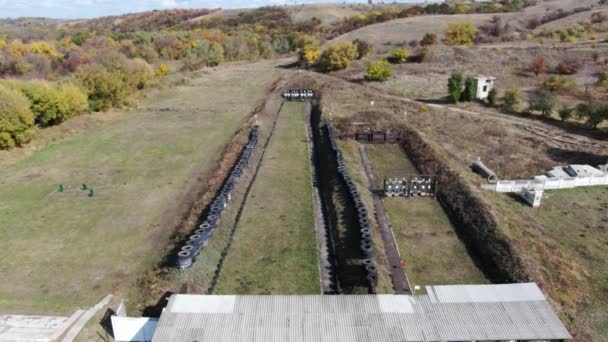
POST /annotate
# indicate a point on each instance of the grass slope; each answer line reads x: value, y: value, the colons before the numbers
x: 426, y: 240
x: 577, y: 219
x: 274, y: 248
x: 62, y: 251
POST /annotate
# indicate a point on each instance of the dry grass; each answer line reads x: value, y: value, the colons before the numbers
x: 72, y: 250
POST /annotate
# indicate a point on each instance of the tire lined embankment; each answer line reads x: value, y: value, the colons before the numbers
x: 242, y: 204
x: 346, y: 217
x: 200, y: 239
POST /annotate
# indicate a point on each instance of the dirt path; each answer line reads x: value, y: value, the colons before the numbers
x: 401, y: 283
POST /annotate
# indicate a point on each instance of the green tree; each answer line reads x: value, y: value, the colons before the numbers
x: 492, y: 97
x: 461, y: 33
x: 470, y: 89
x: 338, y: 56
x: 565, y: 113
x: 428, y: 39
x: 511, y: 100
x: 399, y: 55
x: 379, y: 71
x: 593, y: 112
x: 16, y: 119
x: 542, y: 101
x: 455, y: 87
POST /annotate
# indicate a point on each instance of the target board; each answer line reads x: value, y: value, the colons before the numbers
x: 410, y: 186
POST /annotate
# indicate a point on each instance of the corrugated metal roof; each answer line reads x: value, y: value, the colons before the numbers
x: 447, y: 313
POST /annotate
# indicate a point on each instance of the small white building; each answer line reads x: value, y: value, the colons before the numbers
x: 484, y: 85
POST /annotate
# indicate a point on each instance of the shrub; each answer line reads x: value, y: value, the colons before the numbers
x: 424, y: 55
x: 428, y: 39
x: 470, y: 89
x: 379, y: 71
x: 566, y: 68
x: 74, y: 97
x: 570, y: 39
x: 45, y: 102
x: 455, y: 87
x: 399, y: 55
x: 556, y: 83
x: 492, y: 97
x: 538, y: 66
x: 161, y: 70
x: 461, y: 33
x: 16, y: 119
x: 511, y: 100
x: 565, y: 113
x: 542, y: 101
x: 338, y: 56
x: 363, y: 48
x: 138, y: 73
x: 209, y: 53
x: 106, y: 88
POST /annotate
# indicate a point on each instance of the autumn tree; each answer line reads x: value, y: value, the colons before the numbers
x: 309, y: 50
x: 338, y: 56
x: 16, y: 119
x: 538, y: 66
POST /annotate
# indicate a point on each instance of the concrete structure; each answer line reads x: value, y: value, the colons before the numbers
x: 572, y: 176
x: 445, y: 313
x: 484, y: 85
x: 15, y: 328
x: 533, y: 197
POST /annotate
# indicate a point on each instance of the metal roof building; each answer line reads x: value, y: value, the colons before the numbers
x: 445, y: 313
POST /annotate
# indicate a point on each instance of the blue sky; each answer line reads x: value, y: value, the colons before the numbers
x: 97, y: 8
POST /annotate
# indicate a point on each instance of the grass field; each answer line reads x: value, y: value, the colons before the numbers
x: 274, y: 248
x: 61, y: 251
x: 427, y: 241
x: 577, y: 220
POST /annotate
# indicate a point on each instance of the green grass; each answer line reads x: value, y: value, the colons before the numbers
x: 275, y: 249
x: 425, y: 237
x: 62, y: 251
x: 577, y: 219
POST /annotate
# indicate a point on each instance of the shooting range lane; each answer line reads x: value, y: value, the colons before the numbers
x: 275, y: 248
x: 401, y: 284
x: 428, y: 244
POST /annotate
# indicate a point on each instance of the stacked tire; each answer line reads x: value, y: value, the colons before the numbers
x: 201, y: 236
x: 366, y: 243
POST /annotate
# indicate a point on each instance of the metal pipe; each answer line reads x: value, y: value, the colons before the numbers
x: 479, y: 167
